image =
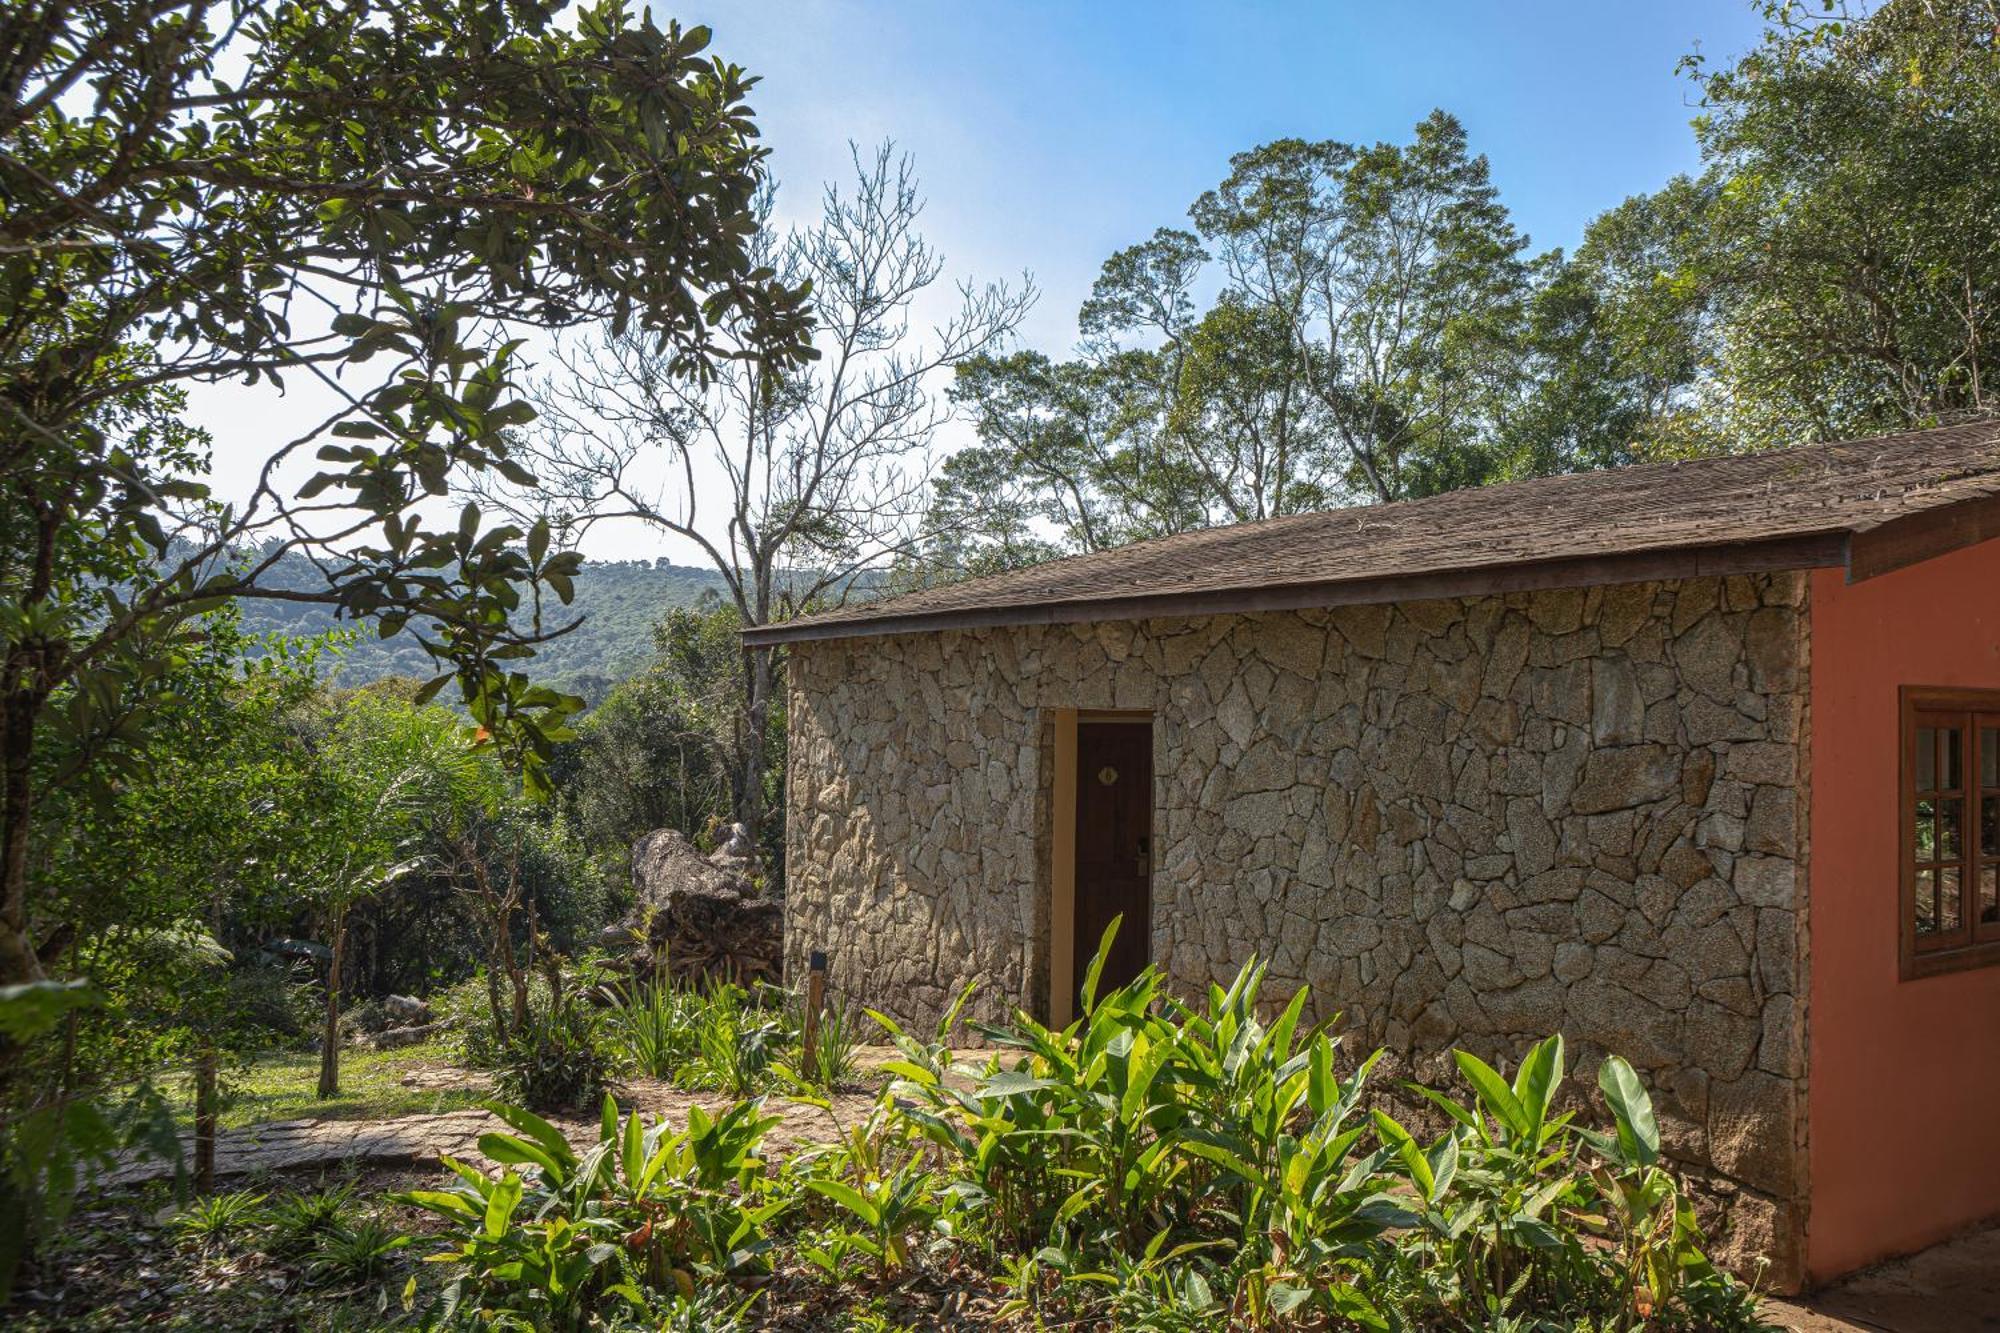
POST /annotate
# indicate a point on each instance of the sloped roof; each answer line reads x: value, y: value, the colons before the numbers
x: 1868, y: 505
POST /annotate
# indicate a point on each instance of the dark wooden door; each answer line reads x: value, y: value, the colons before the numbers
x: 1114, y: 846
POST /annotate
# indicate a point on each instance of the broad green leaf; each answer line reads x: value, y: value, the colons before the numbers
x: 1494, y: 1094
x: 1631, y: 1111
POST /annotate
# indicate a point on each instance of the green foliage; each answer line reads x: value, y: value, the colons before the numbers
x: 1196, y: 1158
x: 1829, y: 273
x: 558, y: 1060
x: 658, y: 751
x: 651, y: 1027
x: 580, y: 1233
x: 425, y: 188
x: 1161, y: 1163
x: 1845, y: 253
x: 1367, y: 342
x: 57, y: 1138
x: 353, y: 1252
x: 717, y: 1036
x: 1381, y: 332
x: 215, y: 1219
x: 738, y: 1037
x: 297, y: 1223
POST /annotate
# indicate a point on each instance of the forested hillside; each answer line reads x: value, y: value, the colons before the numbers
x: 619, y: 602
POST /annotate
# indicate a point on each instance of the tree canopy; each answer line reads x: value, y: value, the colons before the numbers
x: 1345, y: 324
x: 374, y: 197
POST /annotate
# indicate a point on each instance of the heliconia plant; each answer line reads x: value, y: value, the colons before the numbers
x: 1160, y: 1162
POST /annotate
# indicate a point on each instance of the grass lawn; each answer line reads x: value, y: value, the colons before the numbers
x: 281, y: 1087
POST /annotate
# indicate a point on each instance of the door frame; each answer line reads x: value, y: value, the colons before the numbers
x: 1063, y: 974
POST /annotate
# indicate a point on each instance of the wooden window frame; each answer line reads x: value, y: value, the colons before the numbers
x: 1974, y: 943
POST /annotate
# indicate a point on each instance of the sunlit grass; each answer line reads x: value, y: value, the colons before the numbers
x: 281, y: 1087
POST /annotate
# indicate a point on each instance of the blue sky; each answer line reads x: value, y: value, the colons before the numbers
x: 1049, y: 135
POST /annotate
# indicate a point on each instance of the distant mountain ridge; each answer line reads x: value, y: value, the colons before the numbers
x: 619, y: 600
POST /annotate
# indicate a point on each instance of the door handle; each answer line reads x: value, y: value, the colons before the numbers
x: 1145, y: 856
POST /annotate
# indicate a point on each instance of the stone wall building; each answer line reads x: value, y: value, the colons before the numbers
x: 1538, y: 758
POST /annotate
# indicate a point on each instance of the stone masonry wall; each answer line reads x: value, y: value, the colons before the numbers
x: 1467, y: 822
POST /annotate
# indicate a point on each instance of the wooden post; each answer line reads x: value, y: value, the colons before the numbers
x: 204, y: 1121
x: 815, y: 1001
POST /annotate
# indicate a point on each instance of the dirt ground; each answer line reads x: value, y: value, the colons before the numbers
x: 1949, y: 1288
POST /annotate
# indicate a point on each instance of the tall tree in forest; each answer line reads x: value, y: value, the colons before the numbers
x: 369, y: 196
x: 794, y: 482
x: 1366, y: 341
x: 1854, y: 233
x: 1835, y: 269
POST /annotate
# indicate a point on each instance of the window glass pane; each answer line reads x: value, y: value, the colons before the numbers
x: 1989, y: 826
x: 1989, y: 756
x: 1926, y: 758
x: 1926, y: 830
x: 1949, y: 739
x: 1947, y: 898
x: 1926, y: 902
x: 1989, y: 894
x: 1949, y: 813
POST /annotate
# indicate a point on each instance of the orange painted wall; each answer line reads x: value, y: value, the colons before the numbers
x: 1903, y: 1079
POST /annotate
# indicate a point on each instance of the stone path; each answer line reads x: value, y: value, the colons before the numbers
x: 422, y: 1140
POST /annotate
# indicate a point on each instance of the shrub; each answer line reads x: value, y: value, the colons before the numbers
x: 355, y: 1252
x: 556, y: 1060
x: 298, y: 1222
x: 651, y: 1027
x: 645, y: 1212
x: 1160, y: 1164
x: 737, y: 1039
x: 216, y: 1219
x: 1167, y: 1146
x: 720, y: 1037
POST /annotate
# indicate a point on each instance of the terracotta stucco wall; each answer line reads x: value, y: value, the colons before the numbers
x: 1904, y: 1111
x: 1461, y: 822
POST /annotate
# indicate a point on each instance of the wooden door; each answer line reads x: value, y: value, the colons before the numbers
x: 1114, y: 846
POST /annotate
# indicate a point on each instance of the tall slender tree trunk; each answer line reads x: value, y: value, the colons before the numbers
x: 19, y: 711
x: 329, y: 1045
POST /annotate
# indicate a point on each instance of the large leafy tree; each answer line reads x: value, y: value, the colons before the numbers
x: 144, y: 871
x: 372, y: 197
x: 1365, y: 340
x: 1854, y: 235
x: 1835, y: 269
x: 1616, y: 355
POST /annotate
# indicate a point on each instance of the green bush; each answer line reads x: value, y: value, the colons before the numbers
x: 720, y: 1037
x: 556, y: 1061
x: 738, y: 1038
x: 646, y: 1212
x: 650, y: 1027
x: 1167, y: 1142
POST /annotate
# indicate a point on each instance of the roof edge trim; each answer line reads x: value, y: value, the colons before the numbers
x: 1810, y: 551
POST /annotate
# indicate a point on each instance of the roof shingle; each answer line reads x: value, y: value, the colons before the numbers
x: 1790, y: 508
